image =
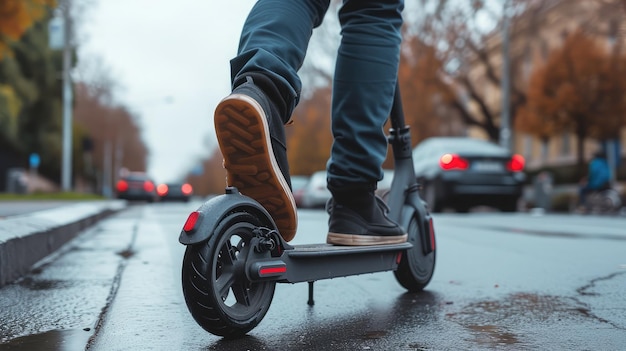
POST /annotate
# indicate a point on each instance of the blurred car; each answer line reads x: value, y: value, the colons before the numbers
x: 298, y: 182
x: 315, y: 194
x: 136, y: 186
x: 462, y: 172
x: 176, y: 191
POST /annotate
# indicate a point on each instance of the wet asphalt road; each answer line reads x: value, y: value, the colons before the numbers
x: 510, y: 282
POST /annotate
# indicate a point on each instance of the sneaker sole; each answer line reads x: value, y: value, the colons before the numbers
x: 244, y: 140
x: 364, y: 240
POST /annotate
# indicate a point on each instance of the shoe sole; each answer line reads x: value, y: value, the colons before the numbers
x: 364, y: 240
x: 244, y: 140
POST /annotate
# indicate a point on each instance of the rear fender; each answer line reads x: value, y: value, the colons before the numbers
x: 215, y: 209
x: 414, y: 207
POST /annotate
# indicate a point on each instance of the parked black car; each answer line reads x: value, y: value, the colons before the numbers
x: 461, y: 172
x: 136, y: 186
x: 175, y: 191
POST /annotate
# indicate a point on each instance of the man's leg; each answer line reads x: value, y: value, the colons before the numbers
x: 364, y: 85
x: 249, y: 122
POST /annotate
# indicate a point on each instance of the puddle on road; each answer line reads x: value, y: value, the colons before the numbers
x: 54, y: 340
x: 491, y: 321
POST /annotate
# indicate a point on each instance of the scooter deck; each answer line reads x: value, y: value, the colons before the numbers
x: 317, y: 250
x: 311, y: 262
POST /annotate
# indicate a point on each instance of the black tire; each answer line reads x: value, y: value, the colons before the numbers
x: 415, y: 269
x: 462, y: 208
x: 218, y: 294
x: 509, y: 205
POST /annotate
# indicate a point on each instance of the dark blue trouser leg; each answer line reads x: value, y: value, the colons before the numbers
x: 274, y: 41
x: 364, y: 84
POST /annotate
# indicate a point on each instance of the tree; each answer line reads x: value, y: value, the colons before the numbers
x: 213, y: 178
x: 17, y: 16
x: 581, y: 89
x: 421, y: 77
x: 309, y: 139
x: 30, y: 93
x: 471, y: 53
x: 107, y: 125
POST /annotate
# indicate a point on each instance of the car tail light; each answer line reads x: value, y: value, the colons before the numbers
x: 148, y: 186
x: 516, y: 164
x: 450, y: 162
x: 162, y: 189
x: 187, y: 189
x: 121, y: 186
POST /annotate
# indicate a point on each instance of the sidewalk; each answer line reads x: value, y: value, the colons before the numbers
x: 27, y: 239
x: 562, y: 194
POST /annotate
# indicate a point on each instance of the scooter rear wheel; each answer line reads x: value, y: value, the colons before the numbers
x: 416, y: 268
x: 217, y: 291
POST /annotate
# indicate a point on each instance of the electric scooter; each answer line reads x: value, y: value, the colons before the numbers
x: 235, y: 255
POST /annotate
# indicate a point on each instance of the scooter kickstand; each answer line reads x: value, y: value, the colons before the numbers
x: 311, y: 302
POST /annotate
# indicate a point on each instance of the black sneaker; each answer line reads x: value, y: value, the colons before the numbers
x: 251, y: 137
x: 364, y: 224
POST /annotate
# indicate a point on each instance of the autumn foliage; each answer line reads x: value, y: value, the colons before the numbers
x: 213, y: 177
x: 580, y: 89
x: 105, y: 123
x: 309, y: 138
x: 16, y: 16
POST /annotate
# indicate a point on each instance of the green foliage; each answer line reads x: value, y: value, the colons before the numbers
x: 31, y: 98
x: 61, y: 196
x: 10, y: 106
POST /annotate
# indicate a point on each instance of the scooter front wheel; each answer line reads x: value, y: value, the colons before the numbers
x: 416, y: 268
x: 217, y: 291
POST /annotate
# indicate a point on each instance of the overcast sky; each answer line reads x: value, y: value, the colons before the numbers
x: 171, y: 60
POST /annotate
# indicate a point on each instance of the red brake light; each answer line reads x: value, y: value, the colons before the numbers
x: 516, y: 164
x: 187, y: 189
x: 191, y: 221
x: 272, y: 270
x: 451, y: 162
x: 148, y: 186
x: 121, y: 186
x: 162, y: 189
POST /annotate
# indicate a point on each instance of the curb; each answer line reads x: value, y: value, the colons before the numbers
x: 27, y: 239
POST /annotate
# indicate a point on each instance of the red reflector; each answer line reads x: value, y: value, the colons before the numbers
x: 399, y: 258
x: 191, y: 221
x: 451, y: 162
x: 432, y: 234
x: 272, y: 270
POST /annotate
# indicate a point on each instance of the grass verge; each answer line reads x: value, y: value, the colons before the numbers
x: 60, y: 196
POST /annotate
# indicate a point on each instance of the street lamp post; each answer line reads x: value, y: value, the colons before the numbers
x: 505, y: 121
x: 66, y: 170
